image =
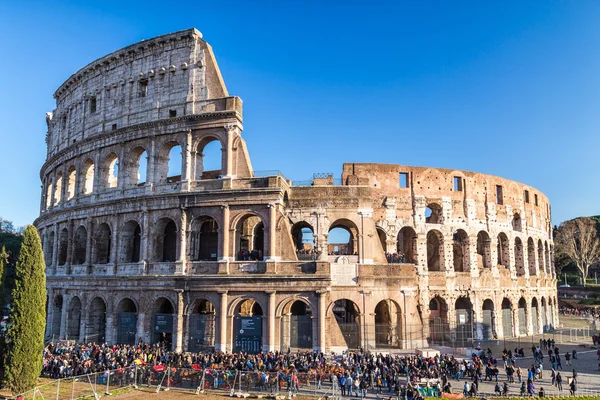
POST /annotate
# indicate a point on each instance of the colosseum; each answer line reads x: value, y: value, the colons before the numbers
x: 156, y: 228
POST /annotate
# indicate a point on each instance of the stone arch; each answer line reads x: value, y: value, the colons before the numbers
x: 541, y: 256
x: 535, y: 314
x: 96, y: 321
x: 162, y: 311
x: 127, y: 313
x: 460, y: 251
x: 80, y: 246
x: 507, y: 320
x: 547, y: 259
x: 169, y: 165
x: 131, y: 242
x: 544, y: 315
x: 388, y: 324
x: 58, y: 188
x: 204, y: 239
x: 439, y: 329
x: 435, y: 251
x: 296, y: 323
x: 488, y: 320
x: 135, y: 173
x: 464, y: 322
x: 247, y: 311
x: 503, y: 250
x: 63, y: 245
x: 87, y: 177
x: 249, y: 237
x: 345, y: 248
x: 166, y: 235
x: 202, y: 325
x: 49, y: 248
x: 71, y: 181
x: 303, y: 236
x: 102, y: 244
x: 57, y: 304
x: 74, y: 318
x: 484, y: 254
x: 519, y: 258
x: 109, y: 172
x: 517, y: 223
x: 407, y: 245
x: 208, y: 164
x: 531, y: 257
x: 433, y: 214
x: 522, y: 316
x: 382, y: 235
x: 345, y: 332
x: 49, y: 193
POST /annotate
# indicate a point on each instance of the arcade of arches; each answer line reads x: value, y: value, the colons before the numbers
x: 261, y: 321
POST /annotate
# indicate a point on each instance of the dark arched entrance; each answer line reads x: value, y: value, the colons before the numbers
x: 438, y: 321
x: 202, y: 327
x: 464, y: 322
x: 127, y: 321
x: 507, y: 323
x: 388, y: 324
x: 488, y: 320
x: 247, y: 327
x: 346, y: 316
x: 162, y: 322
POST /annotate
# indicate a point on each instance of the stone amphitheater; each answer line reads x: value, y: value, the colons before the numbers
x: 155, y: 227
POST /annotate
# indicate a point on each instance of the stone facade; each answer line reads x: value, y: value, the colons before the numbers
x: 139, y: 249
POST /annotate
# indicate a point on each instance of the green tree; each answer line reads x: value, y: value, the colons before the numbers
x: 578, y: 240
x: 27, y: 317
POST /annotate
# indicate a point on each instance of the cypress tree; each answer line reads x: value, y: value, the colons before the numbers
x: 27, y: 317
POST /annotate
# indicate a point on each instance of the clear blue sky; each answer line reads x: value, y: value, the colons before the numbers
x: 500, y: 87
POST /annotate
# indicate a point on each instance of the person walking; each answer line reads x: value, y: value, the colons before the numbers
x: 559, y: 382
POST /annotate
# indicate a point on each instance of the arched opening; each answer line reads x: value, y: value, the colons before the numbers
x: 435, y: 251
x: 96, y: 324
x: 87, y: 176
x: 166, y: 240
x: 56, y: 315
x: 433, y: 214
x: 547, y: 259
x: 162, y: 322
x: 388, y: 324
x: 383, y: 241
x: 58, y: 187
x: 541, y: 256
x: 304, y: 240
x: 131, y: 240
x: 49, y: 195
x: 488, y: 320
x: 204, y: 239
x: 297, y: 326
x: 202, y: 327
x: 63, y: 242
x: 110, y: 171
x: 79, y: 246
x: 439, y: 329
x: 49, y: 248
x: 519, y: 258
x: 208, y: 159
x: 503, y: 251
x: 550, y: 313
x: 544, y: 315
x: 250, y: 238
x: 460, y: 251
x: 522, y: 316
x: 342, y: 238
x: 169, y: 163
x: 138, y: 165
x: 484, y: 254
x: 516, y: 222
x: 507, y: 322
x: 102, y: 244
x: 347, y: 318
x: 248, y: 327
x: 535, y: 315
x: 72, y: 178
x: 126, y: 322
x: 407, y: 245
x: 464, y: 322
x: 531, y: 257
x: 74, y: 319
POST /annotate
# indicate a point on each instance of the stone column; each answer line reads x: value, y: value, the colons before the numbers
x: 88, y: 245
x: 231, y: 131
x: 222, y: 343
x: 224, y: 235
x: 114, y: 256
x: 139, y: 327
x: 110, y: 331
x: 84, y: 316
x: 477, y: 315
x: 186, y: 171
x: 514, y: 312
x: 529, y: 318
x: 178, y: 324
x: 145, y: 250
x: 64, y: 317
x: 69, y: 246
x: 271, y: 321
x: 181, y: 259
x: 272, y: 233
x: 321, y: 343
x: 54, y: 260
x: 150, y: 167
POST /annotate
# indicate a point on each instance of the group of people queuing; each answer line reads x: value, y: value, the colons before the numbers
x: 354, y: 373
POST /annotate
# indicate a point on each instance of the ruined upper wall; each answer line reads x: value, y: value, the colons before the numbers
x: 167, y: 76
x: 489, y: 195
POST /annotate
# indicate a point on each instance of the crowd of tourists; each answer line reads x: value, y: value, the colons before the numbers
x: 583, y: 312
x: 246, y: 255
x: 355, y: 374
x: 396, y: 258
